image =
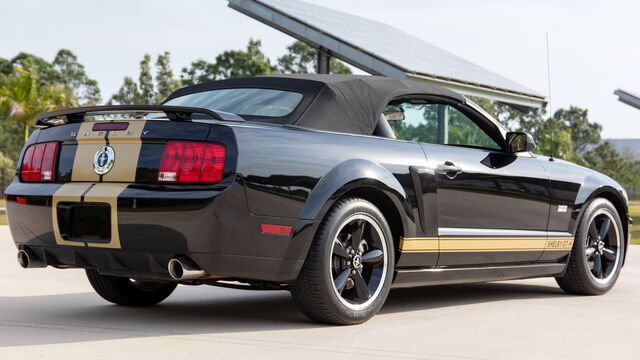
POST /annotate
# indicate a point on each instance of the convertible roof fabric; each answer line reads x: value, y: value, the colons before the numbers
x: 342, y: 103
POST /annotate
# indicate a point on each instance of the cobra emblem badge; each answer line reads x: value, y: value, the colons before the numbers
x: 103, y: 160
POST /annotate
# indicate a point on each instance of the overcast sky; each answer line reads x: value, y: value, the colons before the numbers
x: 593, y: 44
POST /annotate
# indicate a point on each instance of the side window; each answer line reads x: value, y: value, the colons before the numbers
x: 439, y: 124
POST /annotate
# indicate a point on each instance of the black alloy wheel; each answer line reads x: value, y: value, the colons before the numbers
x: 602, y: 246
x: 347, y: 274
x: 358, y: 263
x: 598, y: 251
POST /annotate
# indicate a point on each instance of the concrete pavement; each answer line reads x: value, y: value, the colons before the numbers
x: 54, y: 314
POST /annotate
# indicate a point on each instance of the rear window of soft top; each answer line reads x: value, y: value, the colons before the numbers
x: 243, y: 101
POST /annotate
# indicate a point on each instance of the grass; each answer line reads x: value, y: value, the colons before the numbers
x: 3, y: 215
x: 634, y: 212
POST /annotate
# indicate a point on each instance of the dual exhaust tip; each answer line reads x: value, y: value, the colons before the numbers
x: 180, y: 268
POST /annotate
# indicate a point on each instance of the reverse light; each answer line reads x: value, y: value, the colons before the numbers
x: 39, y: 162
x: 191, y: 162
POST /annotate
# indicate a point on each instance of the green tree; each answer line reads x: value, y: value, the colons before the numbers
x: 127, y: 94
x: 165, y: 82
x: 576, y: 121
x: 200, y: 71
x: 146, y: 91
x: 22, y: 97
x: 145, y: 81
x: 86, y: 90
x: 229, y: 64
x: 303, y: 59
x: 606, y: 159
x: 65, y: 70
x: 11, y: 137
x: 238, y: 63
x: 553, y: 139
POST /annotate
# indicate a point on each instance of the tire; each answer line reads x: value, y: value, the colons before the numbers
x: 330, y: 287
x: 128, y: 292
x: 595, y: 260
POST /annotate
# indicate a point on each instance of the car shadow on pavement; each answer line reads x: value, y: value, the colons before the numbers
x: 65, y: 318
x: 442, y: 296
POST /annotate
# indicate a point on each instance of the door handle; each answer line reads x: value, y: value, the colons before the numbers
x: 448, y: 169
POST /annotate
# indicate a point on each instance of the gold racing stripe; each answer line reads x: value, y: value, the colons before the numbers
x: 419, y: 244
x: 126, y: 145
x: 71, y: 192
x: 108, y: 193
x: 89, y: 142
x: 85, y: 181
x: 486, y: 244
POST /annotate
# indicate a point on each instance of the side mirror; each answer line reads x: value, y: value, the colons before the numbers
x: 520, y: 142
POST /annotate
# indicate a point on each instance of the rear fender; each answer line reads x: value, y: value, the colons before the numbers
x: 345, y: 177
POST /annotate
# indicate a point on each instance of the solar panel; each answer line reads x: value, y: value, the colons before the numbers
x: 379, y: 48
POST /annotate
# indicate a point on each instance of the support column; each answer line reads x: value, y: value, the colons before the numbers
x: 323, y: 61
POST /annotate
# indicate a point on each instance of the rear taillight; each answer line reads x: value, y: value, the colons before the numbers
x: 191, y: 162
x: 39, y: 162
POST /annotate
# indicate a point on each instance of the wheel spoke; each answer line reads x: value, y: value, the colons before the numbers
x: 361, y: 286
x: 597, y: 266
x: 609, y: 254
x: 593, y: 231
x: 374, y: 256
x: 604, y: 228
x: 356, y: 233
x: 339, y: 250
x: 590, y: 251
x: 341, y: 280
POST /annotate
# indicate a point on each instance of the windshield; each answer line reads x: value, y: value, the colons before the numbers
x: 243, y: 101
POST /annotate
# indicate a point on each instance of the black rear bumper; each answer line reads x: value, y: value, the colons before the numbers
x: 156, y: 223
x: 153, y: 265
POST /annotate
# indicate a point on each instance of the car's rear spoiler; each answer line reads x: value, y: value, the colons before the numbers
x: 174, y: 113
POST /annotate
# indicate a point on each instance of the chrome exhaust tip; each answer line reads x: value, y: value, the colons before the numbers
x: 28, y: 260
x: 183, y: 268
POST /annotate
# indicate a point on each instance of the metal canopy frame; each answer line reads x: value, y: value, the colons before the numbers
x: 628, y: 98
x: 332, y: 45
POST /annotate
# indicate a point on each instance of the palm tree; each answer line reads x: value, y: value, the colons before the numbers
x: 21, y: 98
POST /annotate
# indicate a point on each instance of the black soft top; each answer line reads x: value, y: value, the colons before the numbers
x: 343, y: 103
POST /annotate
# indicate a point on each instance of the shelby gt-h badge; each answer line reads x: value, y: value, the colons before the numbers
x: 335, y: 188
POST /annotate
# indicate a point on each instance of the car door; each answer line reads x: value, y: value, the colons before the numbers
x: 492, y: 206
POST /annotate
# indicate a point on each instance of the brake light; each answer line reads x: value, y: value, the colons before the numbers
x: 39, y: 162
x: 110, y: 126
x: 191, y: 162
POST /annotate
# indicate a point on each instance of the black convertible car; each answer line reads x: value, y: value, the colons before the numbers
x: 333, y: 187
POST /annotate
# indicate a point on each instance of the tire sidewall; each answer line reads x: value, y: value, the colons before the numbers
x: 580, y: 249
x: 338, y: 216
